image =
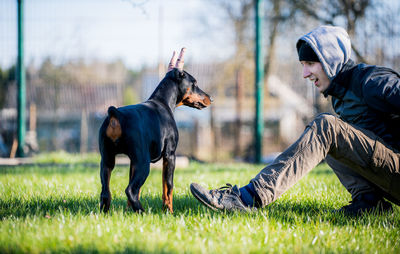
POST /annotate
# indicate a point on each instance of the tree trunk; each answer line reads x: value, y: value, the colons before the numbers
x: 271, y: 46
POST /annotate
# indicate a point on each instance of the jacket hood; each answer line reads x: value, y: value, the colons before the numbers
x: 341, y: 82
x: 332, y: 46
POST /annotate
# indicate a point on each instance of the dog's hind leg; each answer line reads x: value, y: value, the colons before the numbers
x: 139, y: 176
x: 168, y: 181
x: 105, y: 196
x: 131, y: 173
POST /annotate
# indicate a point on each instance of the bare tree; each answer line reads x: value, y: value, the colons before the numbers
x: 279, y: 13
x: 237, y: 16
x: 352, y: 12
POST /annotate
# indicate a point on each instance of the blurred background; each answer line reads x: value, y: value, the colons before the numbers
x: 81, y: 56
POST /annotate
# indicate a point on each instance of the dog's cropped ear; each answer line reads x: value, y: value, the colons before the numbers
x: 177, y: 62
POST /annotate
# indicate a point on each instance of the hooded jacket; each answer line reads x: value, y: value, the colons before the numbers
x: 364, y: 95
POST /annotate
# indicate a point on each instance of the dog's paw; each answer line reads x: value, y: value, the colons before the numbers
x: 136, y: 206
x: 104, y: 204
x: 167, y: 208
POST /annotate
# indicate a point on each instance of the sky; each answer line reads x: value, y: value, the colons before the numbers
x: 140, y: 32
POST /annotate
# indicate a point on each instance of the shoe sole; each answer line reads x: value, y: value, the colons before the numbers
x: 199, y: 198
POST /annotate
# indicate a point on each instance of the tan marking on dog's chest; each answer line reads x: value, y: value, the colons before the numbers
x: 114, y: 129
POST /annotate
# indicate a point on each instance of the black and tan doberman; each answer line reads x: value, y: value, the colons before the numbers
x: 147, y: 132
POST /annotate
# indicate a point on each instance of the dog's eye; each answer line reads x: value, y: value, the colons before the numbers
x: 182, y: 75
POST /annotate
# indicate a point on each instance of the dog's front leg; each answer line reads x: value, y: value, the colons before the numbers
x: 105, y: 196
x: 168, y: 181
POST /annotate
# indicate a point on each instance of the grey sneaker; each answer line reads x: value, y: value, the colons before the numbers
x: 226, y: 198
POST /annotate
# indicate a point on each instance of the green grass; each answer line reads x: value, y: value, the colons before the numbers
x: 56, y: 209
x: 62, y: 157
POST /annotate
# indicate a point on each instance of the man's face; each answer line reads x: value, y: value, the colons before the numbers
x: 315, y: 72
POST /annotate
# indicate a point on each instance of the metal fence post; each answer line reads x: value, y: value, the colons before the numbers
x: 21, y: 82
x: 259, y: 63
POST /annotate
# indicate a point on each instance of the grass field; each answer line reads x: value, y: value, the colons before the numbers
x: 55, y: 209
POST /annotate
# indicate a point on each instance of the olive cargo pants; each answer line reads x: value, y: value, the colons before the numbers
x: 360, y: 159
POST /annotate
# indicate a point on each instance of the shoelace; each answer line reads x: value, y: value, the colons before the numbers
x: 227, y: 188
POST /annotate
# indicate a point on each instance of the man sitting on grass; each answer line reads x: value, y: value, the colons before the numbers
x: 361, y: 144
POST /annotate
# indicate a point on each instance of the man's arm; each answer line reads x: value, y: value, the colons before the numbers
x: 382, y: 90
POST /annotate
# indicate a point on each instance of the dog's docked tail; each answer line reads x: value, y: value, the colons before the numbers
x: 114, y: 126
